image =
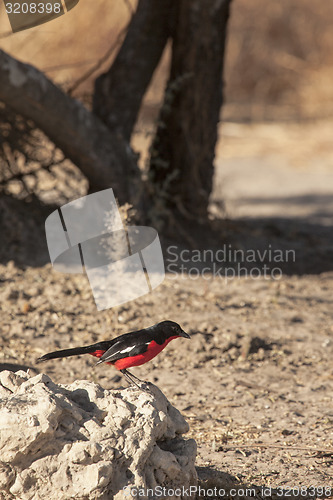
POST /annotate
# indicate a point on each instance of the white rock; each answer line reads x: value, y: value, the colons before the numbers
x: 83, y: 442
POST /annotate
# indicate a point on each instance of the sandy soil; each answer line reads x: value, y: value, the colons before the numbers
x: 255, y: 381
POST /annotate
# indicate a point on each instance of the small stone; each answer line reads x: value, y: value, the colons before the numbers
x: 25, y: 308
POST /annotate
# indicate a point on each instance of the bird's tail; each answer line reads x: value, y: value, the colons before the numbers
x: 64, y: 353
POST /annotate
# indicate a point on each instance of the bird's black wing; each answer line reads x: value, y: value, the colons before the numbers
x: 127, y: 345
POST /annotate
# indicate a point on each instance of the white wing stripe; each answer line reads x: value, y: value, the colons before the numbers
x: 128, y: 349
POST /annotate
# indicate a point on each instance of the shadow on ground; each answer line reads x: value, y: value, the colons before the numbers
x: 22, y: 231
x: 219, y: 485
x: 296, y: 246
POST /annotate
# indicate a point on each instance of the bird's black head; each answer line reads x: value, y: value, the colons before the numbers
x: 172, y: 329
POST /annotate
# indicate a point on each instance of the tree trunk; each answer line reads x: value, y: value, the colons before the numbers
x: 183, y: 150
x: 104, y: 157
x: 119, y: 91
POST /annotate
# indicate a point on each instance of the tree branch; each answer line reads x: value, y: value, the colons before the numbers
x: 103, y: 157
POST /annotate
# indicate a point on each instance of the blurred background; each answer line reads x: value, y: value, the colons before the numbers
x: 275, y: 134
x: 278, y: 66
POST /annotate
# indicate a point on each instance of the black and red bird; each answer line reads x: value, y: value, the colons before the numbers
x: 131, y: 349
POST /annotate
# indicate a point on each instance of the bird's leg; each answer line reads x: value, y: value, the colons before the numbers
x: 129, y: 378
x: 136, y: 378
x: 132, y: 378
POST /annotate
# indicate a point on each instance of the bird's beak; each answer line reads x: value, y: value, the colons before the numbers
x: 185, y: 335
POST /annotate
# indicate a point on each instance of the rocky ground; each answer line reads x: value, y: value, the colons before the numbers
x: 254, y: 382
x: 85, y: 442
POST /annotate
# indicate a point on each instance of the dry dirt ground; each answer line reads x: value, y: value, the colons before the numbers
x: 255, y: 381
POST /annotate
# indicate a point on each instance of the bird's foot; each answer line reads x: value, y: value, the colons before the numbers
x: 133, y: 380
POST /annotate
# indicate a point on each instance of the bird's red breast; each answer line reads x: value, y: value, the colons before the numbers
x: 152, y: 350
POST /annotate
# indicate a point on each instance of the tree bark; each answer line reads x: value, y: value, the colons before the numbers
x: 119, y: 92
x: 104, y: 157
x: 183, y: 150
